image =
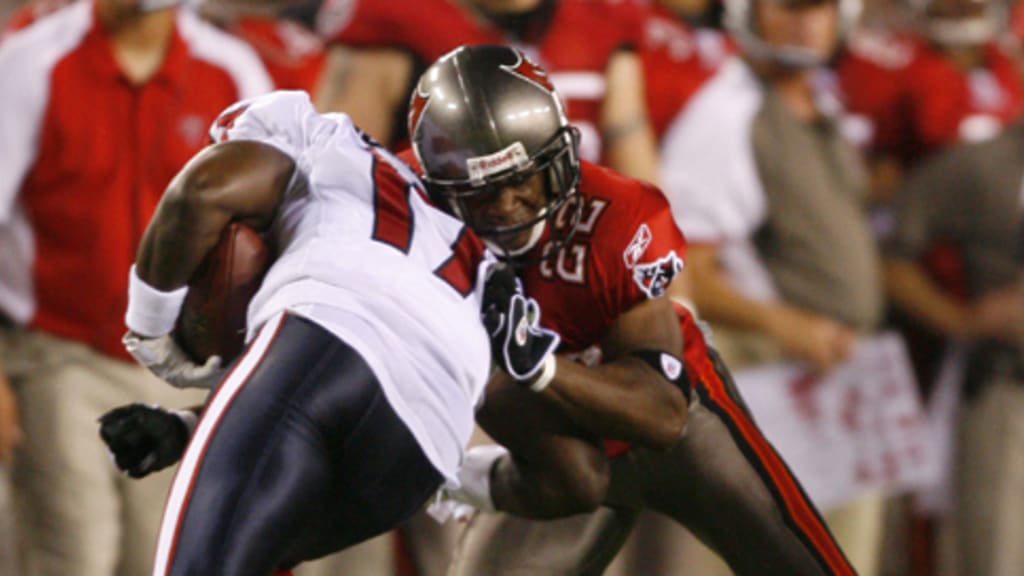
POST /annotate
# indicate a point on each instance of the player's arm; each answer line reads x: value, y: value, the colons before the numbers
x: 236, y: 180
x: 815, y: 339
x: 629, y: 396
x: 552, y: 466
x: 368, y: 84
x: 629, y: 141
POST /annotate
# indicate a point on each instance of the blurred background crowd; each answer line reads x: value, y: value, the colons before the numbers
x: 841, y: 171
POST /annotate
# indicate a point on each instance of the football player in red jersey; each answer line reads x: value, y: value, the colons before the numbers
x: 952, y: 81
x: 600, y: 252
x: 588, y: 47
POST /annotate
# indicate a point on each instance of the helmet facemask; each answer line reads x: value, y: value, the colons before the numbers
x: 558, y: 163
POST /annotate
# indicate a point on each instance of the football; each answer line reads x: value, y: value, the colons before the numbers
x: 212, y: 319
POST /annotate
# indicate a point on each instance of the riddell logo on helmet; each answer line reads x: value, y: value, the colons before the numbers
x: 480, y: 167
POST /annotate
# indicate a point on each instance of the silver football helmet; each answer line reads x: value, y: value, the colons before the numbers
x: 741, y: 23
x: 486, y: 117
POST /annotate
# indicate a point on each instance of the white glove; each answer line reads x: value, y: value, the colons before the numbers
x: 167, y: 360
x: 473, y: 489
x: 443, y: 508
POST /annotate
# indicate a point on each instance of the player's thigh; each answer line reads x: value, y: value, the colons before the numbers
x: 726, y: 484
x: 297, y: 454
x: 501, y: 544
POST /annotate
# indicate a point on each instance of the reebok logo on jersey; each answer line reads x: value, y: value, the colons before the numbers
x: 654, y: 277
x: 635, y: 251
x: 480, y: 167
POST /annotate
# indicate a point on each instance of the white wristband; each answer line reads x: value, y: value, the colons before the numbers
x: 547, y: 374
x: 151, y: 312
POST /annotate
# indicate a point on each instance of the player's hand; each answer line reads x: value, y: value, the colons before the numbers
x: 519, y: 345
x: 167, y: 360
x: 819, y: 341
x: 999, y: 315
x: 144, y: 439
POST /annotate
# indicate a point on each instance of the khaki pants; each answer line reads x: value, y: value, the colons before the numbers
x: 990, y: 483
x: 7, y: 535
x: 76, y: 513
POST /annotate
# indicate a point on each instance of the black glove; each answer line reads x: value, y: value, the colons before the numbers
x: 519, y: 345
x: 144, y: 439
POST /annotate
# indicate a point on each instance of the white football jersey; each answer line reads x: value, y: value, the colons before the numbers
x: 362, y: 253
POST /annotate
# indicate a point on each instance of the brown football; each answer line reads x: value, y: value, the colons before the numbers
x: 212, y: 320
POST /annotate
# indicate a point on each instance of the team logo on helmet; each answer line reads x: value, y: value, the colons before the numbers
x: 529, y: 71
x: 417, y: 105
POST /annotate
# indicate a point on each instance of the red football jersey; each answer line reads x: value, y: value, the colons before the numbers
x: 87, y: 155
x: 574, y: 47
x: 916, y: 98
x: 677, y: 61
x: 626, y: 249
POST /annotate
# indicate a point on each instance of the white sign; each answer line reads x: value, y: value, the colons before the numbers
x: 857, y: 429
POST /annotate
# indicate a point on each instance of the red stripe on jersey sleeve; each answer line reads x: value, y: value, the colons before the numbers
x: 392, y: 223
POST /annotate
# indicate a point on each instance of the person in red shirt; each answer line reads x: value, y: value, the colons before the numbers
x: 677, y: 59
x: 589, y: 48
x: 636, y: 411
x: 103, y: 101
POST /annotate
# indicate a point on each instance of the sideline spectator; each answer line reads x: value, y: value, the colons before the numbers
x: 970, y: 196
x: 769, y: 194
x: 103, y: 102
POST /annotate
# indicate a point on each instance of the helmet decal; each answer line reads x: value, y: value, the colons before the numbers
x: 528, y: 70
x: 417, y: 105
x: 513, y: 156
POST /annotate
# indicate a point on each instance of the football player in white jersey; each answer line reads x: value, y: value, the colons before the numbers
x: 354, y: 400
